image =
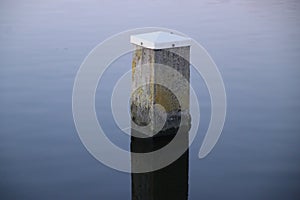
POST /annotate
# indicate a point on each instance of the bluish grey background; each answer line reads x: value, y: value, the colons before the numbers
x: 255, y: 44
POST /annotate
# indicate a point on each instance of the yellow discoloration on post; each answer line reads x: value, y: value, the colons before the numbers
x: 133, y: 67
x: 136, y: 57
x: 166, y: 98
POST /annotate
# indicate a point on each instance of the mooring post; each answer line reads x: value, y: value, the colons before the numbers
x: 160, y: 76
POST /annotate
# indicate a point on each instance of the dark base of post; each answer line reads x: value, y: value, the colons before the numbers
x: 168, y: 183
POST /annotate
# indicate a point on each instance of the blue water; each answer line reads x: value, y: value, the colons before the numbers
x: 255, y: 44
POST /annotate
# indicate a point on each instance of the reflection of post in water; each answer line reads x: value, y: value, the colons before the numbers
x: 152, y: 85
x: 169, y: 183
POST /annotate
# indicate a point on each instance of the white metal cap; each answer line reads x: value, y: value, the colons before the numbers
x: 160, y: 40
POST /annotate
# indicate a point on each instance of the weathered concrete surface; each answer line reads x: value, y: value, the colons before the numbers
x: 146, y: 73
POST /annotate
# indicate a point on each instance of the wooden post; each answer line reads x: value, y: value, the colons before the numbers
x: 151, y: 51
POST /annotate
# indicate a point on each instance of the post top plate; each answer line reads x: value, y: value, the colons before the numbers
x: 160, y: 40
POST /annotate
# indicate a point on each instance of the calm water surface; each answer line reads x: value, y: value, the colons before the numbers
x: 255, y: 44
